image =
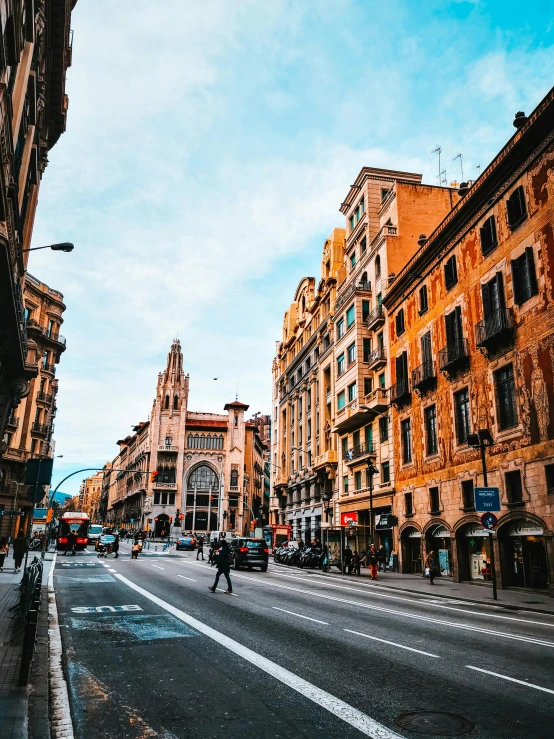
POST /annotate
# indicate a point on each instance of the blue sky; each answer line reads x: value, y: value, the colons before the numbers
x: 209, y: 145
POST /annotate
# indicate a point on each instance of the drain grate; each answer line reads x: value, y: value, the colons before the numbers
x: 434, y: 723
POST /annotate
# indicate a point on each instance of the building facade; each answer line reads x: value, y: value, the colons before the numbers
x: 30, y: 426
x: 471, y: 321
x: 201, y: 471
x: 89, y: 495
x: 35, y: 52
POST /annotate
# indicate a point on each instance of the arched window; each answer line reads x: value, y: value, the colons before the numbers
x: 176, y: 402
x: 377, y: 266
x: 189, y: 441
x: 234, y: 478
x: 364, y: 277
x: 166, y: 402
x: 202, y: 441
x: 203, y: 478
x: 196, y: 444
x: 220, y: 440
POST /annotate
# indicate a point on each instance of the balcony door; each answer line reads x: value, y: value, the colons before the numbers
x: 454, y: 332
x: 493, y: 296
x: 426, y: 351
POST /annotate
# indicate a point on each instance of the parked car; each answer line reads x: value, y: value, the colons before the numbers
x: 248, y: 552
x: 186, y: 543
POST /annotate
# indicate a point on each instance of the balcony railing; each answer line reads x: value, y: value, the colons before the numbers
x: 168, y: 448
x: 376, y: 317
x: 400, y: 392
x: 493, y: 328
x: 166, y: 485
x: 378, y: 399
x: 13, y: 422
x: 47, y: 367
x: 40, y: 428
x: 54, y: 336
x: 45, y: 397
x: 454, y: 355
x: 377, y: 357
x: 355, y: 287
x: 357, y: 452
x: 424, y: 376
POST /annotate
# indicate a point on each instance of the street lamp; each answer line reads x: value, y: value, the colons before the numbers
x: 64, y: 246
x: 371, y: 470
x: 481, y: 440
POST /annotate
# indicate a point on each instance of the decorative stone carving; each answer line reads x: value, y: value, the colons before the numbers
x: 525, y: 403
x: 539, y: 392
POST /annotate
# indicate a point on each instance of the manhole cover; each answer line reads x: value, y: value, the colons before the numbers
x: 434, y: 723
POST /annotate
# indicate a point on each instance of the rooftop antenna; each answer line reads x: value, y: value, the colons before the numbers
x: 437, y: 150
x: 478, y: 170
x: 459, y: 156
x: 443, y: 176
x: 237, y: 393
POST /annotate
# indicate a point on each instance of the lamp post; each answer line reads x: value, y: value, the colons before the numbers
x: 481, y: 440
x: 64, y: 246
x: 326, y: 498
x: 371, y: 470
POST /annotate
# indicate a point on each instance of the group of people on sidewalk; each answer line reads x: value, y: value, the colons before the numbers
x: 375, y: 559
x: 20, y: 547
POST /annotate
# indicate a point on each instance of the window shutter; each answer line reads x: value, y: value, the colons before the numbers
x: 454, y: 270
x: 399, y: 369
x: 531, y: 268
x: 510, y: 211
x: 516, y: 282
x: 449, y: 323
x: 426, y: 348
x: 485, y: 292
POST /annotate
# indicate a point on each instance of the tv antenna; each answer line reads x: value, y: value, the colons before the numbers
x: 437, y: 150
x: 459, y: 156
x: 442, y: 177
x: 478, y: 170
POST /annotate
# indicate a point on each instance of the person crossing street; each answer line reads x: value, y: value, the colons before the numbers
x: 223, y: 563
x: 200, y: 549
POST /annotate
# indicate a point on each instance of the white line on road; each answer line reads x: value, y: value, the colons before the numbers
x: 224, y: 591
x: 300, y: 615
x: 392, y: 643
x: 186, y: 578
x: 344, y: 711
x: 511, y: 679
x: 158, y: 566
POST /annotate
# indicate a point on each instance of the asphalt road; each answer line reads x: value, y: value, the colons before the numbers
x: 151, y: 652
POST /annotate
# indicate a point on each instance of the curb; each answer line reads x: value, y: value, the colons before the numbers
x: 495, y: 603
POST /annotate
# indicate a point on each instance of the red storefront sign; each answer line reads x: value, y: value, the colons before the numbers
x: 349, y: 519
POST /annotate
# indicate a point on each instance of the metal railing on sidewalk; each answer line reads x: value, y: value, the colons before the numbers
x: 29, y: 605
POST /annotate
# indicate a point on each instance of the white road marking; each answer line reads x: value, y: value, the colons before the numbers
x: 222, y: 591
x: 111, y: 569
x: 158, y: 566
x: 511, y: 679
x: 415, y: 616
x: 186, y: 578
x: 301, y: 616
x: 347, y: 713
x: 392, y: 643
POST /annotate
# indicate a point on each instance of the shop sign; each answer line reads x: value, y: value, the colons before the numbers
x: 349, y: 519
x: 440, y: 533
x: 525, y: 528
x: 414, y: 535
x: 475, y: 530
x: 385, y: 521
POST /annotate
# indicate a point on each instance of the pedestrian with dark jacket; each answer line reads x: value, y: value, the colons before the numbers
x: 4, y: 549
x: 115, y: 546
x: 347, y: 560
x: 431, y: 564
x: 382, y: 558
x: 223, y: 564
x: 373, y: 560
x: 20, y: 546
x: 200, y: 547
x: 356, y: 563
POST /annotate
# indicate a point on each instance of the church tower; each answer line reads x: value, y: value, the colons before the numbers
x: 167, y: 441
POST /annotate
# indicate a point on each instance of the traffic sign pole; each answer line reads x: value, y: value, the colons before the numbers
x: 493, y: 567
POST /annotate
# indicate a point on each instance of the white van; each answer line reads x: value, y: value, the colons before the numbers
x: 227, y: 535
x: 94, y: 532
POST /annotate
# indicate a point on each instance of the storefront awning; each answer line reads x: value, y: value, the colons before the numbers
x: 350, y: 506
x: 440, y: 532
x: 525, y: 528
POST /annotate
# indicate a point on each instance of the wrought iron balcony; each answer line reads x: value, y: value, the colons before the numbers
x: 454, y: 355
x: 40, y: 428
x: 355, y: 287
x: 13, y: 422
x: 494, y: 328
x: 424, y: 376
x: 377, y: 358
x: 359, y: 452
x: 47, y: 367
x: 377, y: 400
x: 376, y: 318
x: 45, y: 397
x: 54, y: 336
x: 400, y: 393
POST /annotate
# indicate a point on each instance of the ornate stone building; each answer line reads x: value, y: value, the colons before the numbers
x: 35, y: 52
x: 204, y: 467
x: 471, y: 321
x: 30, y: 426
x: 89, y: 495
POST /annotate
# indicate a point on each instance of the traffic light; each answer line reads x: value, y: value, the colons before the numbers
x: 154, y: 476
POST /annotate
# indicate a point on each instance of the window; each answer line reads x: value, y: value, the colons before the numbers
x: 514, y: 489
x: 368, y: 385
x: 454, y: 334
x: 430, y: 414
x: 344, y: 444
x: 524, y: 278
x: 168, y: 440
x: 366, y: 349
x: 171, y: 498
x: 434, y: 503
x: 326, y: 342
x: 492, y: 293
x: 450, y: 272
x: 382, y: 380
x: 362, y: 204
x: 517, y: 212
x: 400, y: 326
x: 203, y: 478
x: 468, y: 498
x: 506, y: 397
x: 384, y: 429
x: 363, y: 245
x: 345, y: 484
x: 351, y: 353
x: 340, y: 364
x: 377, y: 266
x: 406, y: 434
x: 164, y: 498
x: 350, y: 316
x: 402, y: 373
x: 461, y: 404
x: 384, y: 193
x: 385, y: 472
x: 358, y: 480
x: 427, y: 353
x: 489, y: 239
x: 549, y: 473
x: 341, y: 400
x: 353, y: 260
x: 365, y: 310
x: 423, y: 302
x: 408, y: 504
x: 156, y: 499
x: 352, y: 392
x: 166, y: 402
x: 340, y: 328
x: 351, y: 220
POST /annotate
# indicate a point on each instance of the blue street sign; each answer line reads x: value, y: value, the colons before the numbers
x: 487, y: 499
x: 489, y: 521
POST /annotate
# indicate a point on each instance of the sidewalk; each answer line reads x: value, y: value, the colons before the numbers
x: 443, y: 587
x: 14, y: 700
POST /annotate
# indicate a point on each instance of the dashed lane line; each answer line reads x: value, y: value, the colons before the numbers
x: 158, y: 566
x: 511, y: 679
x: 352, y: 716
x: 187, y: 578
x: 292, y: 613
x: 392, y: 643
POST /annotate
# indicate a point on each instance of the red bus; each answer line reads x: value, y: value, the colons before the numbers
x: 73, y: 523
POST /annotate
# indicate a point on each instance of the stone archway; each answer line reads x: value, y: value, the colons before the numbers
x: 411, y: 550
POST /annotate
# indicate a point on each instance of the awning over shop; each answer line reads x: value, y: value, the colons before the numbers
x: 440, y: 532
x: 525, y: 528
x: 363, y: 505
